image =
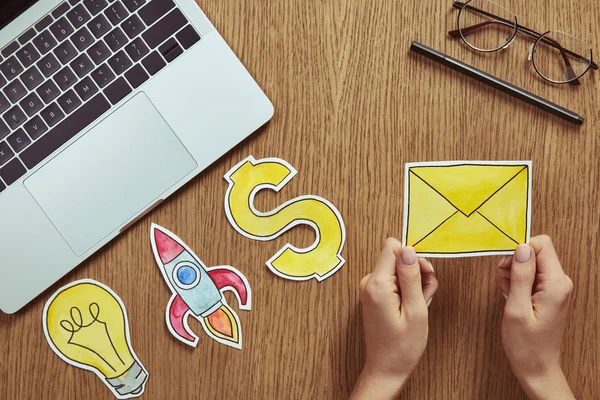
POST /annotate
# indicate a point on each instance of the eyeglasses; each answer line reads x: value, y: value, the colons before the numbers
x: 487, y: 27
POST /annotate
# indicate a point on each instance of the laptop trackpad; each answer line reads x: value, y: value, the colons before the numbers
x: 117, y: 169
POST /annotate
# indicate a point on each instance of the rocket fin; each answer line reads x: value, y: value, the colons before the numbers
x: 223, y: 277
x: 177, y: 312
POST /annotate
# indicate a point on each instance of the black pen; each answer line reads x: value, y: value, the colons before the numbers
x: 497, y: 83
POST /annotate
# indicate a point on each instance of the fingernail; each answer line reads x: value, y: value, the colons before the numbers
x: 409, y: 257
x: 429, y: 302
x: 523, y: 253
x: 431, y: 266
x: 501, y: 261
x: 505, y: 296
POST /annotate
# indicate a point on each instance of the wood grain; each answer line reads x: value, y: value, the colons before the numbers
x: 352, y: 106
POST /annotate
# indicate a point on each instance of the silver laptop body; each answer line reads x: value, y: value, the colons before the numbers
x: 90, y: 143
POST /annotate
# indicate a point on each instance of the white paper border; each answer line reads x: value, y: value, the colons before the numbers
x: 288, y: 227
x: 87, y: 367
x: 245, y: 307
x: 410, y: 165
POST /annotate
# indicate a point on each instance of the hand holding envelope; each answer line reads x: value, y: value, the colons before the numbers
x: 467, y: 208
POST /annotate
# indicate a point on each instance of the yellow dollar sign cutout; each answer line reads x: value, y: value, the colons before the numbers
x: 322, y: 259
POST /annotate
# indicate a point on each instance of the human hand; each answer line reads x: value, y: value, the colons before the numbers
x: 537, y: 295
x: 394, y: 300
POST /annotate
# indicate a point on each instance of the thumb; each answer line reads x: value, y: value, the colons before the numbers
x: 522, y: 275
x: 409, y: 279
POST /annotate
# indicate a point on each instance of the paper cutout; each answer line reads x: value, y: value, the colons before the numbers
x: 198, y: 291
x: 467, y: 208
x: 323, y: 258
x: 86, y: 325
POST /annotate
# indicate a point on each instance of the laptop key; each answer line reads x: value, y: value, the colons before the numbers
x: 116, y: 13
x: 5, y: 153
x: 52, y: 114
x: 2, y: 186
x: 170, y: 50
x: 86, y: 88
x: 61, y: 29
x: 78, y: 16
x: 95, y: 6
x: 27, y: 36
x: 153, y: 63
x: 15, y: 91
x: 60, y: 10
x: 44, y: 22
x: 44, y: 42
x: 164, y: 28
x: 2, y: 81
x: 11, y: 68
x: 32, y: 78
x: 12, y: 171
x: 48, y: 65
x: 154, y: 10
x: 18, y: 140
x: 136, y: 76
x: 133, y: 26
x: 69, y: 102
x: 116, y: 39
x: 65, y: 52
x: 82, y: 65
x: 11, y: 48
x: 35, y: 127
x: 117, y: 90
x: 137, y: 49
x: 103, y: 75
x: 188, y: 37
x: 65, y: 78
x: 48, y: 91
x: 66, y: 130
x: 14, y: 117
x: 119, y: 62
x: 82, y: 39
x: 4, y: 130
x: 133, y: 5
x: 99, y: 26
x: 28, y: 55
x: 99, y: 52
x: 31, y: 104
x: 4, y: 104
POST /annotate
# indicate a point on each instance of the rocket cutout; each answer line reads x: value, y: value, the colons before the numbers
x: 197, y: 291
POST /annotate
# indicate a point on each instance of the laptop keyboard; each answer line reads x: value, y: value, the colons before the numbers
x: 75, y: 64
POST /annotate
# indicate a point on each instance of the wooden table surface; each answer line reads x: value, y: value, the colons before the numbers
x: 352, y: 106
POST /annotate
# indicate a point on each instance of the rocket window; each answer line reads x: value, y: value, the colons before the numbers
x: 186, y: 275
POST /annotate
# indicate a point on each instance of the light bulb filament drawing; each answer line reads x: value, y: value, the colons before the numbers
x: 77, y: 325
x: 95, y: 339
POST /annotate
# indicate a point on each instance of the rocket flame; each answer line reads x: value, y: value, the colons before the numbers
x: 223, y: 325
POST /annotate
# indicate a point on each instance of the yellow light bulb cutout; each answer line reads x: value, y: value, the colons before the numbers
x: 86, y: 325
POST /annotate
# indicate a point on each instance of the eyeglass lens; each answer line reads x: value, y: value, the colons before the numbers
x: 486, y: 26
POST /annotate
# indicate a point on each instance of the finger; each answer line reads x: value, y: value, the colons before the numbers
x: 503, y: 282
x: 430, y: 287
x: 522, y: 276
x: 363, y: 282
x: 505, y: 262
x: 386, y: 264
x: 409, y: 279
x: 547, y: 261
x: 426, y: 266
x: 429, y: 281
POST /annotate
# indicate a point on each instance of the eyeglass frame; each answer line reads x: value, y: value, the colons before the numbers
x: 530, y: 33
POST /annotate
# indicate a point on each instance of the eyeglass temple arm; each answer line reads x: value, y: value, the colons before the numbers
x: 524, y: 31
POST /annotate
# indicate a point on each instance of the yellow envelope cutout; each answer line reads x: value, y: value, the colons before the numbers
x: 467, y: 208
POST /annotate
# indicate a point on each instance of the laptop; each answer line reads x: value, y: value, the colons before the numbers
x: 107, y: 107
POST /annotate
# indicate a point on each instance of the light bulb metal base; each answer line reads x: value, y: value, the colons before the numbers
x: 131, y: 382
